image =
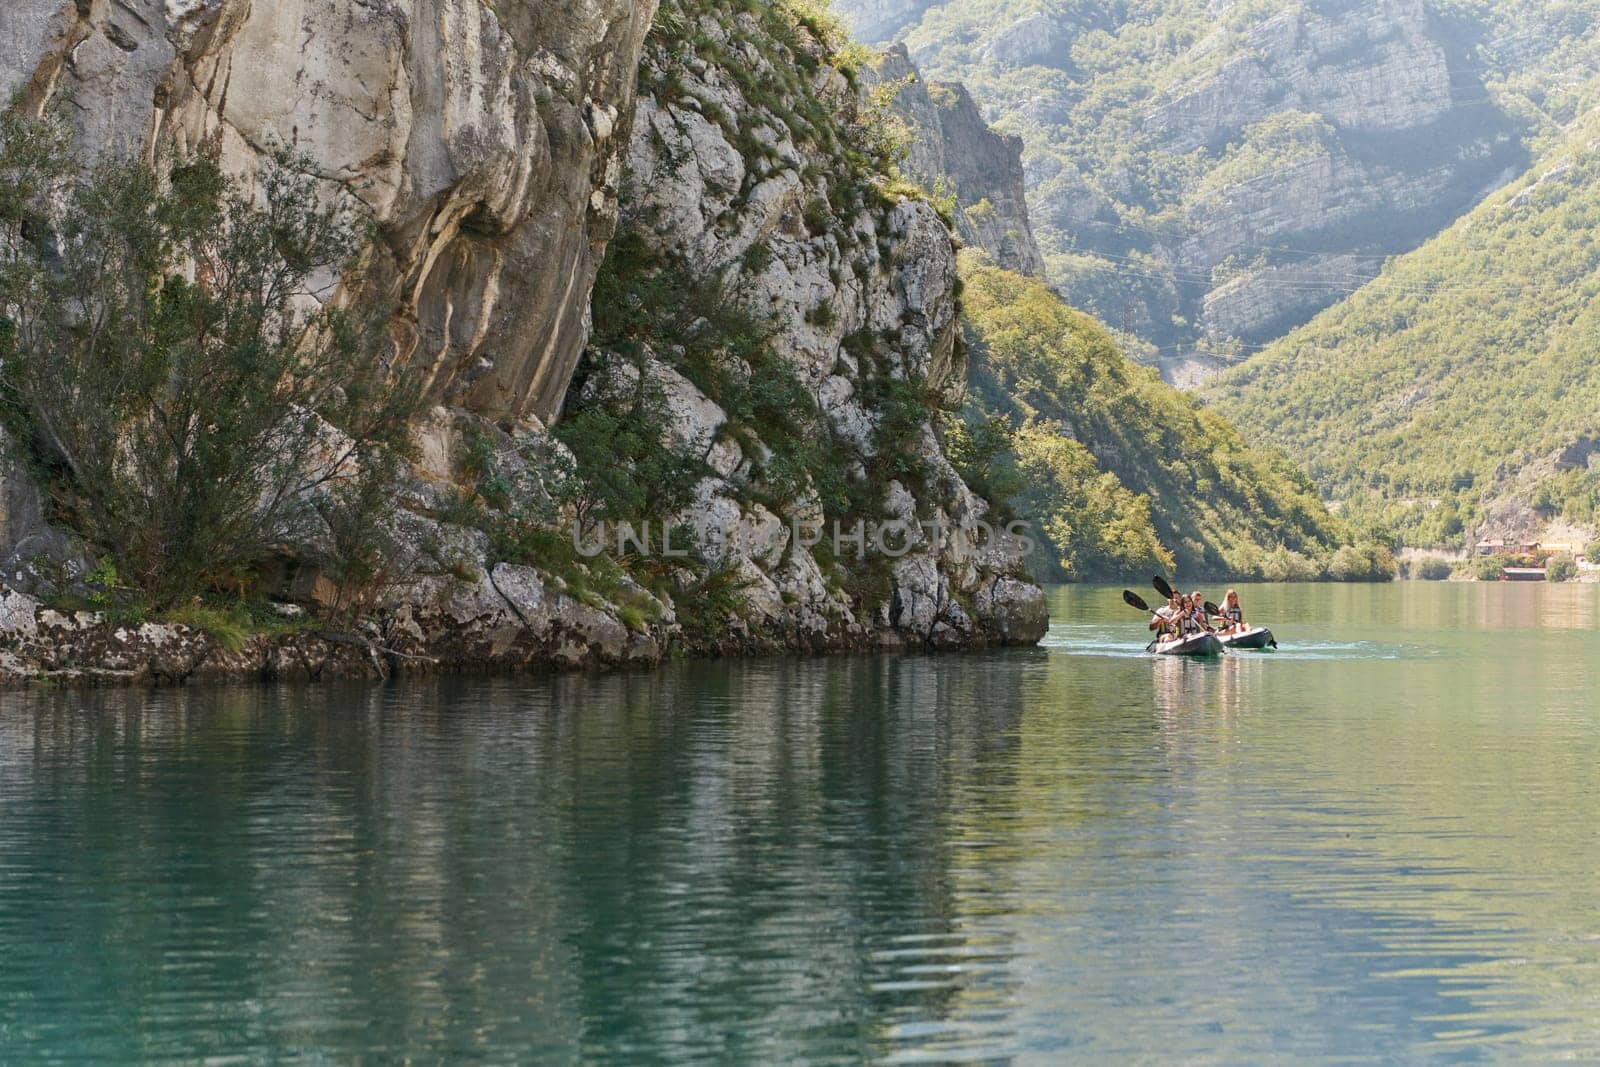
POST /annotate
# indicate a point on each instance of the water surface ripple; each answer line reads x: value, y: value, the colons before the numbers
x: 1377, y: 844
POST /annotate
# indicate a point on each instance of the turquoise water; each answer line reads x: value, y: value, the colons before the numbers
x: 1378, y: 844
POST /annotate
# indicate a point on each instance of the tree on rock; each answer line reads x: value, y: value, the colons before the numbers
x: 174, y: 356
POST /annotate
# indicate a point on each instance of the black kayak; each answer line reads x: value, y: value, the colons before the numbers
x: 1258, y: 638
x: 1195, y: 645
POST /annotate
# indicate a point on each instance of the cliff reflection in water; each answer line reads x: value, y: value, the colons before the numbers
x: 712, y: 851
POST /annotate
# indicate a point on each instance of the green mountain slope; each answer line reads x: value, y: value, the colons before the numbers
x: 1459, y: 393
x: 1120, y: 471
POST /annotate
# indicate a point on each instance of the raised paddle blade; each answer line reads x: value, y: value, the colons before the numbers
x: 1133, y: 600
x: 1212, y: 609
x: 1161, y: 586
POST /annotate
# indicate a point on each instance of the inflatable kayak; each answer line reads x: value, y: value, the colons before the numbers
x: 1259, y: 637
x: 1196, y: 645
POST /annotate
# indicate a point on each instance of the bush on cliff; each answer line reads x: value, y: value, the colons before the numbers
x: 188, y: 399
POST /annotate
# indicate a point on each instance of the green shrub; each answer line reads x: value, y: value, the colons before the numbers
x: 1366, y: 562
x: 1432, y: 569
x: 1489, y: 568
x: 230, y: 626
x: 1286, y: 565
x: 1591, y: 552
x: 184, y: 408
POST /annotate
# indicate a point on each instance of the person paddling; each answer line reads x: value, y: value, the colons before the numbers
x: 1197, y: 609
x: 1232, y: 614
x: 1192, y: 620
x: 1166, y: 620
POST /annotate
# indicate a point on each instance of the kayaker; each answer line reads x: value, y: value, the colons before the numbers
x: 1232, y: 614
x: 1197, y: 608
x: 1166, y: 620
x: 1191, y: 621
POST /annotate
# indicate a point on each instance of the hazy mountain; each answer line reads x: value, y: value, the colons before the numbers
x: 1207, y: 175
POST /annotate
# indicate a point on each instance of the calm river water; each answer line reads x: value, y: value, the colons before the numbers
x: 1381, y: 843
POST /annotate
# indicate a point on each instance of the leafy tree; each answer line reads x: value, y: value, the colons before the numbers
x: 623, y: 469
x: 168, y: 352
x: 1366, y: 562
x: 1561, y: 568
x: 1490, y: 568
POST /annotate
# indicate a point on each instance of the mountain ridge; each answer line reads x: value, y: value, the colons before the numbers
x: 1450, y: 400
x: 1160, y: 137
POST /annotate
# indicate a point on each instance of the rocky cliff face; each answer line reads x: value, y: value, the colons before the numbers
x: 956, y: 154
x: 496, y: 145
x: 486, y: 140
x: 734, y: 174
x: 1261, y: 147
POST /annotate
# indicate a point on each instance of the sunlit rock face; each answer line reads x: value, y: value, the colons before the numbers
x: 490, y: 142
x: 954, y: 152
x: 857, y: 294
x: 485, y: 138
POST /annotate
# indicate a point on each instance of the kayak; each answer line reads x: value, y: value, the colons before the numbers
x: 1197, y: 645
x: 1259, y: 637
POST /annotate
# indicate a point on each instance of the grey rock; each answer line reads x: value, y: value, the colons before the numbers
x: 485, y: 140
x: 954, y: 150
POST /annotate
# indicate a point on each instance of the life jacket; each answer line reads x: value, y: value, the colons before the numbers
x: 1234, y: 615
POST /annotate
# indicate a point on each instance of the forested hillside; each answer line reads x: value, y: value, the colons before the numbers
x: 1204, y: 176
x: 1119, y: 471
x: 1459, y: 393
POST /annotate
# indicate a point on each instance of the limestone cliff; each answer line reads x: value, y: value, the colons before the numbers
x: 741, y: 170
x: 485, y: 138
x: 954, y: 153
x: 497, y: 146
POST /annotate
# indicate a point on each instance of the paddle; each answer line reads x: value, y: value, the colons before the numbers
x: 1212, y: 609
x: 1162, y: 587
x: 1134, y: 600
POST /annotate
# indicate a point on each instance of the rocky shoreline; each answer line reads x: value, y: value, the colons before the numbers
x: 505, y: 620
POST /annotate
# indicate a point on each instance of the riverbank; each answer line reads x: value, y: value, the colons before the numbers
x: 506, y: 619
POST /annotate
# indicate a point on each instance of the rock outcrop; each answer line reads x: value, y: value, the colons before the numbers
x: 495, y: 146
x: 485, y: 139
x: 1271, y: 300
x: 857, y: 289
x: 955, y: 153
